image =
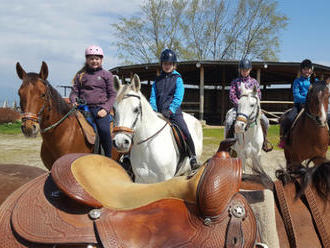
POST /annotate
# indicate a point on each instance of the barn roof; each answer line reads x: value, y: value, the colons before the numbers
x: 215, y: 71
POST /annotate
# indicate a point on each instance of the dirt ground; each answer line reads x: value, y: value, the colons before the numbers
x: 17, y: 149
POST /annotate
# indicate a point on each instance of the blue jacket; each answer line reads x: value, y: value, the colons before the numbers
x: 167, y: 92
x: 300, y: 89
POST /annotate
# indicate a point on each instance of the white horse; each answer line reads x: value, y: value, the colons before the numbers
x: 154, y: 154
x: 248, y: 130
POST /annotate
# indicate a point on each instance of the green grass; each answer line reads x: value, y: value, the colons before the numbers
x: 10, y: 128
x: 213, y: 136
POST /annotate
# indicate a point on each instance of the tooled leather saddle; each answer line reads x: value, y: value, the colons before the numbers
x: 90, y: 200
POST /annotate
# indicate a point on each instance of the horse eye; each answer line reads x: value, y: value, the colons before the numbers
x: 43, y: 95
x: 136, y: 110
x: 251, y: 105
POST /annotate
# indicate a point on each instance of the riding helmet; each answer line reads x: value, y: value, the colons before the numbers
x: 245, y: 64
x: 306, y: 63
x: 168, y: 56
x: 94, y: 50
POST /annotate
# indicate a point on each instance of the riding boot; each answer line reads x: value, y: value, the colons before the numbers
x: 266, y: 146
x: 192, y: 154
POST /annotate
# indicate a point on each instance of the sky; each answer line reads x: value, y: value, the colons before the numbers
x: 58, y: 31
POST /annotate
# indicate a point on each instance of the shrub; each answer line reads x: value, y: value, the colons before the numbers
x: 8, y: 115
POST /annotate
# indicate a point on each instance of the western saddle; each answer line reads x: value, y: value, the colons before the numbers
x: 89, y: 199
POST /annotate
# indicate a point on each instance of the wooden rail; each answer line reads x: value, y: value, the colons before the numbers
x: 274, y: 115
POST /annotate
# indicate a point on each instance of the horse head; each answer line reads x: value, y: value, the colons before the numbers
x: 32, y: 95
x: 317, y: 101
x: 248, y: 109
x: 128, y: 111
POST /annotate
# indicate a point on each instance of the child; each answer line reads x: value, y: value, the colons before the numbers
x: 244, y: 69
x: 94, y: 85
x: 166, y: 97
x: 300, y: 89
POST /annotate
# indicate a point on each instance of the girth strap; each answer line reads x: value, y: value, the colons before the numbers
x: 287, y: 218
x: 317, y: 216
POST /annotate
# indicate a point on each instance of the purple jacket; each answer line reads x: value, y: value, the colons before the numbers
x: 95, y: 87
x: 235, y: 88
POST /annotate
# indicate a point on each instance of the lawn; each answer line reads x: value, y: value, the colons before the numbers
x: 213, y: 136
x: 10, y: 128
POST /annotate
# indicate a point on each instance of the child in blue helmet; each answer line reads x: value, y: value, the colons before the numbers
x: 300, y: 89
x: 167, y: 95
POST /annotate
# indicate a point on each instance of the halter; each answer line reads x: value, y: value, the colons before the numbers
x: 37, y: 118
x: 130, y: 131
x: 249, y: 120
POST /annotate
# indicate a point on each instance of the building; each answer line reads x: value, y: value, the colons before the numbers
x: 207, y: 84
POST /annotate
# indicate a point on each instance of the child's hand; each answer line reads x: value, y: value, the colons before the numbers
x: 101, y: 113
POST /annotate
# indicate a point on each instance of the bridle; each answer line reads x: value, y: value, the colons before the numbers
x: 130, y: 132
x: 314, y: 118
x: 37, y: 118
x: 249, y: 119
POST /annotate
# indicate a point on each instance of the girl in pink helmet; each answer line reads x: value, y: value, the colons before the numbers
x: 94, y: 86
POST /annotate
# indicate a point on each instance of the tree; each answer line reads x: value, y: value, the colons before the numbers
x: 202, y: 29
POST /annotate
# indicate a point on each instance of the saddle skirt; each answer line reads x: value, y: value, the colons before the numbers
x: 87, y: 129
x: 40, y: 214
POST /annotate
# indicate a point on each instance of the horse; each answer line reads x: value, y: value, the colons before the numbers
x: 309, y: 136
x: 153, y: 151
x: 12, y: 176
x: 46, y: 111
x: 299, y: 206
x: 248, y: 130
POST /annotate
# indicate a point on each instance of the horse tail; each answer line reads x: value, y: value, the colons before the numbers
x: 320, y: 176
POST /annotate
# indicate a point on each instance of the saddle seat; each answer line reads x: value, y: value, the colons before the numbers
x: 98, y: 204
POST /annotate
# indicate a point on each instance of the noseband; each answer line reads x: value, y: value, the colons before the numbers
x: 249, y: 120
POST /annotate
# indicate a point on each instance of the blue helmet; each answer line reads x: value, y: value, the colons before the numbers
x: 306, y: 63
x: 245, y: 64
x: 168, y: 56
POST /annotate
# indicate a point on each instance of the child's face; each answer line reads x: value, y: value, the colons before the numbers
x: 245, y: 72
x: 306, y: 72
x: 167, y: 67
x: 94, y: 61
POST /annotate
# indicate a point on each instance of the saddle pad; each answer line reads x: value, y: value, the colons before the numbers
x: 7, y: 238
x: 170, y: 223
x: 86, y: 128
x: 45, y: 215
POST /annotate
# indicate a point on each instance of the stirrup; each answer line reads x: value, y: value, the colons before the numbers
x: 193, y: 163
x: 267, y: 146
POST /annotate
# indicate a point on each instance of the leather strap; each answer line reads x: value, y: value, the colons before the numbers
x: 319, y: 221
x: 284, y: 208
x: 234, y: 234
x: 122, y: 129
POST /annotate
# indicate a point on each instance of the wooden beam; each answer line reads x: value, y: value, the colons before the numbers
x: 201, y: 92
x: 223, y: 103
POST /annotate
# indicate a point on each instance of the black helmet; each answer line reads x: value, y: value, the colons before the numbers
x: 306, y: 63
x: 245, y: 64
x: 168, y: 56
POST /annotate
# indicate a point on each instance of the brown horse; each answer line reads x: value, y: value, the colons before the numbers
x: 12, y: 176
x: 309, y: 138
x: 43, y: 108
x: 301, y: 203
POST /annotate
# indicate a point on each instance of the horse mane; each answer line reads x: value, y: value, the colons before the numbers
x: 60, y: 105
x: 58, y: 102
x: 317, y: 175
x: 317, y: 87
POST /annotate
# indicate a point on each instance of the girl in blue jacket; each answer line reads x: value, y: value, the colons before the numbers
x: 167, y: 95
x: 300, y: 89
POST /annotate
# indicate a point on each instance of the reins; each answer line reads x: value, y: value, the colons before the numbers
x: 131, y: 130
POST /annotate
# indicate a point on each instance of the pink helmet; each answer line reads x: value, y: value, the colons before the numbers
x: 94, y: 50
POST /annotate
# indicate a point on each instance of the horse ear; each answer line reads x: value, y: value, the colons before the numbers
x: 43, y: 71
x: 20, y: 71
x: 116, y: 82
x: 136, y: 84
x: 243, y: 89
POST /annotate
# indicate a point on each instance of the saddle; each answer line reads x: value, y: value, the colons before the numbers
x: 89, y: 199
x: 87, y: 129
